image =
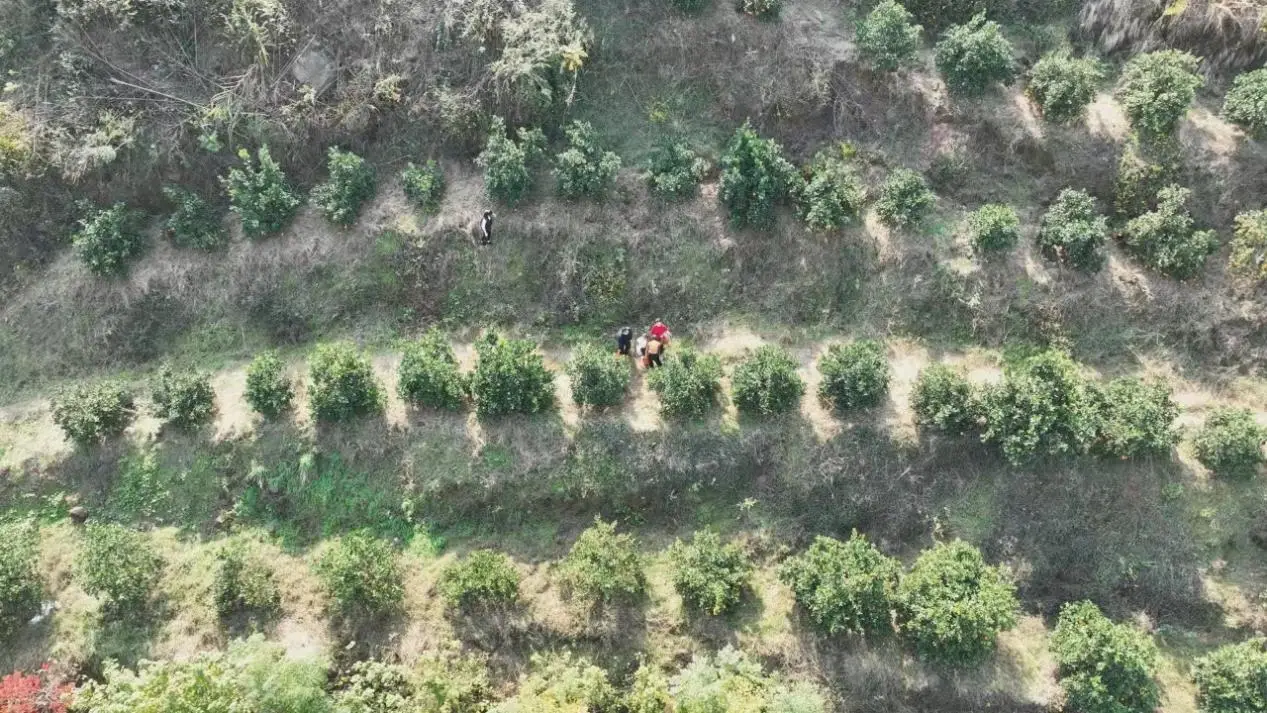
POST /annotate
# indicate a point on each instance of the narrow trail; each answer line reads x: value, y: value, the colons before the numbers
x: 27, y: 431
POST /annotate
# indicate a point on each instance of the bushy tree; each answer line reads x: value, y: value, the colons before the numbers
x: 844, y: 586
x: 244, y: 584
x: 251, y: 675
x: 1104, y: 667
x: 269, y: 390
x: 855, y: 375
x: 119, y: 567
x: 939, y: 14
x: 887, y: 37
x: 510, y: 378
x: 688, y: 384
x: 974, y: 55
x: 108, y: 240
x: 1044, y: 407
x: 510, y: 166
x: 560, y: 682
x: 943, y: 399
x: 193, y: 223
x: 482, y: 578
x: 377, y: 687
x: 342, y: 383
x: 603, y: 565
x: 1230, y: 443
x: 183, y: 399
x: 1073, y: 232
x: 429, y: 374
x: 994, y: 228
x: 20, y: 587
x: 1157, y: 88
x: 260, y: 194
x: 424, y: 185
x: 584, y: 169
x: 675, y: 170
x: 1249, y: 245
x: 731, y: 681
x: 904, y: 198
x: 91, y: 413
x: 1233, y: 678
x: 1246, y: 102
x: 1165, y: 239
x: 709, y: 575
x: 361, y: 575
x: 1135, y: 418
x: 598, y: 378
x: 1062, y: 86
x: 754, y: 177
x: 348, y: 187
x: 1142, y: 171
x: 766, y: 383
x: 451, y: 682
x: 952, y: 605
x: 834, y: 194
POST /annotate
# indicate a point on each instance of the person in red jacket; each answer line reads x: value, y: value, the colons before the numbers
x: 660, y: 331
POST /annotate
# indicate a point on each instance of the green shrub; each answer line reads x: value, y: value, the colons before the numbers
x: 244, y: 585
x: 1044, y: 407
x: 943, y: 399
x: 1233, y: 678
x: 1142, y: 171
x: 89, y: 414
x: 766, y: 383
x: 184, y: 399
x: 887, y: 38
x: 119, y: 567
x: 833, y: 195
x: 424, y: 186
x: 260, y: 195
x: 974, y: 55
x: 108, y: 240
x: 603, y: 565
x: 377, y: 687
x: 1246, y: 102
x: 20, y: 587
x: 269, y: 390
x: 510, y: 378
x: 450, y: 682
x: 760, y: 9
x: 1165, y: 239
x: 844, y: 586
x: 1073, y: 232
x: 952, y: 605
x: 994, y: 228
x: 1157, y: 88
x: 342, y: 383
x: 252, y: 675
x: 429, y: 374
x: 559, y: 683
x: 649, y: 691
x: 350, y: 185
x: 731, y: 681
x: 710, y: 576
x: 1136, y: 418
x: 584, y: 169
x: 754, y: 177
x: 1249, y: 245
x: 855, y: 375
x: 1063, y: 86
x: 193, y: 222
x: 688, y: 385
x: 361, y: 575
x: 675, y: 171
x: 940, y: 14
x: 1103, y: 667
x: 598, y: 377
x: 1231, y: 443
x: 510, y: 167
x: 482, y: 578
x: 904, y: 198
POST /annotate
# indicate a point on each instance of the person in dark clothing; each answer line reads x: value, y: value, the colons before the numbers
x: 486, y: 228
x: 624, y: 339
